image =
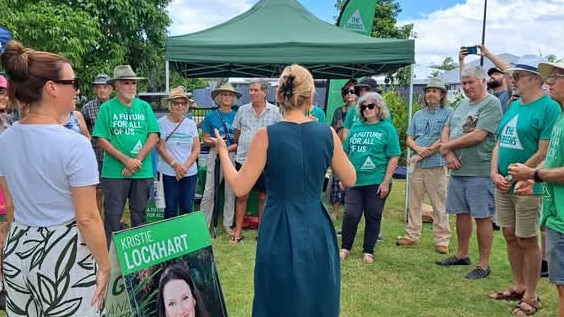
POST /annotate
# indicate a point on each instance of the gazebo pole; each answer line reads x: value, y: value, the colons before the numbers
x: 167, y: 77
x: 410, y: 113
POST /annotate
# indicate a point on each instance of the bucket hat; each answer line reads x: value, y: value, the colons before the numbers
x: 225, y: 87
x: 124, y: 72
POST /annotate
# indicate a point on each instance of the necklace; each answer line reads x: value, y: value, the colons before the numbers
x: 35, y: 113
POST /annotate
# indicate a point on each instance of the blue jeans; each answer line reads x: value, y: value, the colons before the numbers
x: 179, y: 195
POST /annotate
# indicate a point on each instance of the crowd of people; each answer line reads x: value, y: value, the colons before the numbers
x: 495, y: 159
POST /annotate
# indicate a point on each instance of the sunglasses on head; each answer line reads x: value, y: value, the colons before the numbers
x: 369, y: 106
x: 74, y: 82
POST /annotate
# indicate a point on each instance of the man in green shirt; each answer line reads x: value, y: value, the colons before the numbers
x: 127, y: 131
x: 552, y: 174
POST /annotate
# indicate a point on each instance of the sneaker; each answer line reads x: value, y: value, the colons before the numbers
x: 403, y: 241
x: 478, y: 273
x: 453, y: 260
x: 441, y: 249
x: 544, y: 269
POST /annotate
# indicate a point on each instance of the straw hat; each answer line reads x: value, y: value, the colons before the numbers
x: 177, y: 93
x: 225, y: 87
x: 124, y: 72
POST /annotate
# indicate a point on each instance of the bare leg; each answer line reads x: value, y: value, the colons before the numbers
x: 531, y: 254
x: 240, y: 212
x: 515, y: 257
x: 464, y: 232
x: 485, y: 240
x: 560, y: 289
x: 100, y: 199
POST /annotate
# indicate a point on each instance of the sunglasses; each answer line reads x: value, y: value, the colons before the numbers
x: 369, y: 106
x: 180, y: 103
x: 74, y: 82
x: 350, y: 92
x: 517, y: 76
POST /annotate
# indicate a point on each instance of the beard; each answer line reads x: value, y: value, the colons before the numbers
x: 493, y: 84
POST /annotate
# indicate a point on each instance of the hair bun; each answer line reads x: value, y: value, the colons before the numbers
x: 287, y: 87
x: 15, y: 60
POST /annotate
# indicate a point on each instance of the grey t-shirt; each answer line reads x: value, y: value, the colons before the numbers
x: 485, y: 115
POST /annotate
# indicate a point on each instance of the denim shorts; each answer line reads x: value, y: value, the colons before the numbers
x: 471, y: 195
x: 555, y: 256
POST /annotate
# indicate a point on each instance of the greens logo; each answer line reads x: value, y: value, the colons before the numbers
x: 355, y: 23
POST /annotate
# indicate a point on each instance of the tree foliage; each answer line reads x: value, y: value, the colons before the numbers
x: 96, y: 35
x: 446, y: 65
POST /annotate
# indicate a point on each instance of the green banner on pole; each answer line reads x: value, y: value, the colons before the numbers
x: 356, y: 16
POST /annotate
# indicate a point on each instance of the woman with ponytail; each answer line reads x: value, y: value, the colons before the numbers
x: 55, y: 259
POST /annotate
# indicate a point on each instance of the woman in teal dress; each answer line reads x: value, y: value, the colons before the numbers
x: 297, y: 270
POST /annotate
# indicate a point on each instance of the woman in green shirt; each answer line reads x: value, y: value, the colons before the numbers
x: 373, y: 148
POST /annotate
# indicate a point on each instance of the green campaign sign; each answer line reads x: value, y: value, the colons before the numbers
x: 148, y: 245
x: 165, y: 268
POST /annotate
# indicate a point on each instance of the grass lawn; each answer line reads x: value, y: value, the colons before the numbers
x: 402, y: 282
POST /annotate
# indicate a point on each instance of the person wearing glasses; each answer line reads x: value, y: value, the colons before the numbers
x: 428, y: 173
x: 5, y: 120
x: 522, y: 137
x: 48, y: 176
x: 551, y: 174
x: 127, y: 131
x: 74, y: 120
x: 222, y: 118
x: 467, y: 142
x: 373, y: 148
x: 335, y: 192
x: 178, y: 148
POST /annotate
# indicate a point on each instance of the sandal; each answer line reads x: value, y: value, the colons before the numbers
x: 367, y: 258
x: 235, y: 240
x: 525, y: 308
x: 509, y: 294
x: 343, y: 254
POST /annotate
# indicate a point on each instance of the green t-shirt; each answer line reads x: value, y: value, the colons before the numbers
x: 127, y: 129
x: 485, y: 115
x: 319, y: 114
x: 370, y: 147
x: 552, y: 214
x: 520, y: 130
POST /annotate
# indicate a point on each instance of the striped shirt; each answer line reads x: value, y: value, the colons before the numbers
x: 90, y: 112
x: 425, y: 128
x: 248, y: 123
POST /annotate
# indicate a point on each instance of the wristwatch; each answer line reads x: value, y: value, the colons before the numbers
x: 536, y: 176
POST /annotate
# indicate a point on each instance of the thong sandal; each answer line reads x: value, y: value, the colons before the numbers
x: 526, y: 308
x: 367, y: 258
x: 235, y: 240
x: 509, y: 294
x: 343, y: 254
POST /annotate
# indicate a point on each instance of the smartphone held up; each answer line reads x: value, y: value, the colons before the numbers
x: 471, y: 49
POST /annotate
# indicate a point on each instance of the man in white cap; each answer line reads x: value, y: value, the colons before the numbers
x: 429, y: 173
x: 522, y: 137
x: 89, y: 111
x: 127, y: 131
x: 552, y: 174
x: 467, y: 142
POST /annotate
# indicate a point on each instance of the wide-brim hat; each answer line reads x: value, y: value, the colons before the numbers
x: 436, y: 83
x: 124, y: 72
x: 545, y: 68
x: 223, y: 88
x: 101, y: 79
x: 528, y: 63
x: 179, y: 93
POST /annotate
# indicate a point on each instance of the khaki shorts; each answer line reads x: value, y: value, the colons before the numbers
x: 519, y: 212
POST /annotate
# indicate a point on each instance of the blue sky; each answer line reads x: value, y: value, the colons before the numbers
x: 517, y: 27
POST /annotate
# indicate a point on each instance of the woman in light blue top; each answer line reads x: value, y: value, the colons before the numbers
x: 178, y: 147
